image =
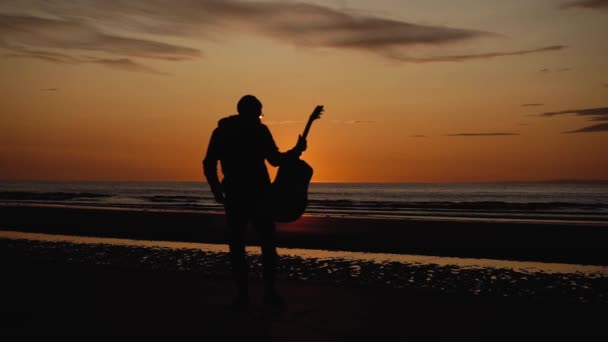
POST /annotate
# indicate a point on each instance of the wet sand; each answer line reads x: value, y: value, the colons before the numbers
x: 58, y: 290
x: 443, y: 275
x: 564, y: 243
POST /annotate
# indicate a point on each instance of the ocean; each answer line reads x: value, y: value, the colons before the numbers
x: 562, y: 202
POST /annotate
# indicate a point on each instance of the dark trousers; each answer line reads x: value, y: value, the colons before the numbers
x: 238, y: 218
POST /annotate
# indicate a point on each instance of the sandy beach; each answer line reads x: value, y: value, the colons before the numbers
x: 151, y: 289
x: 82, y: 290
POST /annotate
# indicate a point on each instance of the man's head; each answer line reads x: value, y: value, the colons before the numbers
x: 249, y: 107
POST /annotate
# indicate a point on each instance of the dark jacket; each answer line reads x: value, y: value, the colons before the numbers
x: 242, y: 147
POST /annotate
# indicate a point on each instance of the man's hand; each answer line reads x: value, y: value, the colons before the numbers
x: 300, y: 145
x: 218, y: 194
x: 219, y: 197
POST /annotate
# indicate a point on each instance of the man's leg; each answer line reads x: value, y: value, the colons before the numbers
x: 266, y: 229
x: 237, y: 225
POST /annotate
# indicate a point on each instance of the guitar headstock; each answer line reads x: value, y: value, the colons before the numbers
x: 316, y: 114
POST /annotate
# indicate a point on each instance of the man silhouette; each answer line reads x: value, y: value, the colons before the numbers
x: 241, y: 143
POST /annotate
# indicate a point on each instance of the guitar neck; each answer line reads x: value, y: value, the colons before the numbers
x: 307, y: 129
x: 315, y: 115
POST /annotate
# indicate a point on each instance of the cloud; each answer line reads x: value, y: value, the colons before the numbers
x: 300, y: 23
x: 532, y: 104
x: 599, y: 118
x: 547, y: 70
x: 338, y: 122
x: 480, y: 134
x: 592, y: 114
x: 593, y: 4
x: 596, y: 114
x: 595, y: 128
x: 67, y: 34
x: 605, y: 85
x: 55, y: 57
x: 48, y: 89
x: 92, y: 25
x: 353, y: 122
x: 127, y: 64
x: 284, y: 122
x: 460, y: 58
x: 418, y: 136
x: 19, y: 33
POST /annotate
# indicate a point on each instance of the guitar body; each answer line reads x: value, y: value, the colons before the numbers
x: 290, y: 186
x: 290, y: 190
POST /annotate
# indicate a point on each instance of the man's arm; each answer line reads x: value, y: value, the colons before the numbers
x: 276, y: 158
x: 210, y: 167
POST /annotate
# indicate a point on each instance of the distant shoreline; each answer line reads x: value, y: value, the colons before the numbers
x: 582, y: 221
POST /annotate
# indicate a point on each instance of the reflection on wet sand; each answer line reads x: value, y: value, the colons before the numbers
x: 580, y: 283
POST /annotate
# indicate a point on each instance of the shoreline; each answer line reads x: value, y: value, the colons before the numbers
x: 441, y: 275
x: 578, y: 244
x: 319, y: 255
x: 573, y: 219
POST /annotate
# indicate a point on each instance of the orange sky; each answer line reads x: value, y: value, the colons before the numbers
x: 414, y: 91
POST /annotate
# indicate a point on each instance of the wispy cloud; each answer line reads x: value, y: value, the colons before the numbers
x: 592, y: 114
x: 49, y: 56
x: 590, y: 129
x: 55, y: 57
x: 127, y: 64
x: 547, y: 70
x: 92, y: 25
x: 592, y: 4
x: 283, y: 122
x: 532, y: 104
x: 481, y: 134
x: 353, y: 122
x: 18, y: 34
x: 48, y: 89
x: 69, y: 34
x: 600, y: 111
x: 337, y: 122
x: 418, y: 136
x: 461, y: 58
x: 599, y: 118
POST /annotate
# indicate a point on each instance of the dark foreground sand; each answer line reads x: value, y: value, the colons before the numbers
x: 54, y: 290
x: 54, y: 299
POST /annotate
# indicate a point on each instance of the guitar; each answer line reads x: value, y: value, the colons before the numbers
x: 290, y: 186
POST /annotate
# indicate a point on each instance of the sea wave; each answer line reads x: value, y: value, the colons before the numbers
x: 50, y: 196
x: 475, y: 205
x: 532, y: 201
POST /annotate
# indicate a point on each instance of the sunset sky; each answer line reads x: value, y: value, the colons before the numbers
x: 414, y: 91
